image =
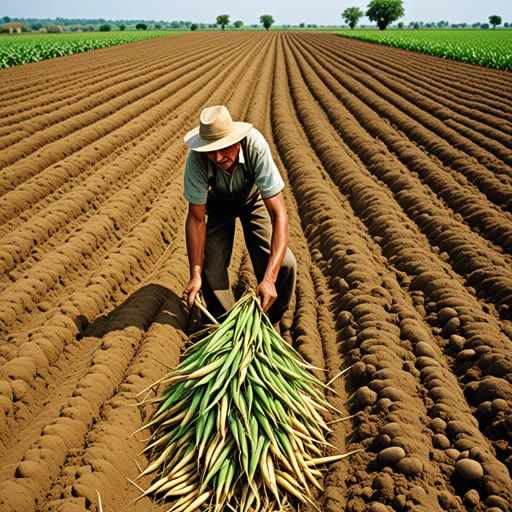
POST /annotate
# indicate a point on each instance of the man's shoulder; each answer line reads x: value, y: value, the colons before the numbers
x: 256, y: 141
x: 194, y: 156
x: 195, y: 159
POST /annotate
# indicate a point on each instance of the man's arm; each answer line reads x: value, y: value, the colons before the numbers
x: 266, y: 290
x: 196, y: 235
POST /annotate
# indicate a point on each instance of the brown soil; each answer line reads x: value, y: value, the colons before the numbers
x: 399, y: 193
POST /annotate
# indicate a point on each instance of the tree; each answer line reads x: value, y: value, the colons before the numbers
x: 122, y: 26
x: 266, y: 20
x: 352, y: 15
x: 238, y: 24
x: 6, y: 19
x: 223, y: 20
x: 495, y: 20
x: 385, y: 11
x: 105, y: 27
x: 141, y: 26
x: 194, y: 26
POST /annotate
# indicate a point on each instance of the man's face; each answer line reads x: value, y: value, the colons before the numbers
x: 224, y: 158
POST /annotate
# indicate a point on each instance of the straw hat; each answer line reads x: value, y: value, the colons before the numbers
x: 216, y: 130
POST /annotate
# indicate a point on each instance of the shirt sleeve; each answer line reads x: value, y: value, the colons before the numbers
x: 195, y: 183
x: 266, y: 174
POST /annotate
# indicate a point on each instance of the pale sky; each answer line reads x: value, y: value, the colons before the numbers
x: 291, y: 12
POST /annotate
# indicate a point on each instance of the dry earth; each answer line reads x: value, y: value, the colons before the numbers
x: 399, y: 191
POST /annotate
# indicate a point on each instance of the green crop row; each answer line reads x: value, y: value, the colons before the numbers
x: 22, y: 49
x: 489, y: 48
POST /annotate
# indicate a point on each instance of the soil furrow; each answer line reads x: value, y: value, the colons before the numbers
x: 135, y: 131
x: 432, y: 80
x: 94, y: 233
x: 438, y: 179
x: 365, y: 311
x: 416, y: 108
x: 485, y: 174
x: 65, y: 92
x: 408, y: 256
x: 448, y: 234
x: 495, y: 141
x: 397, y: 174
x: 227, y: 85
x: 70, y: 136
x: 27, y: 81
x: 320, y: 217
x: 472, y: 81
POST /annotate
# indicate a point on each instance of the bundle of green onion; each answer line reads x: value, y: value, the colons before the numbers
x: 238, y: 422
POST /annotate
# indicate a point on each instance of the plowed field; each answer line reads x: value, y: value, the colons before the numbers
x: 398, y: 172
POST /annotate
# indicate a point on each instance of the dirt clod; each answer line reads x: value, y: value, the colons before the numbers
x: 469, y: 469
x: 392, y: 455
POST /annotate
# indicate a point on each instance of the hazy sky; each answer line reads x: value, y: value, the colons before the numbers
x: 320, y: 12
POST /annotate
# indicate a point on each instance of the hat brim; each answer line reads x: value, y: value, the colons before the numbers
x: 194, y: 141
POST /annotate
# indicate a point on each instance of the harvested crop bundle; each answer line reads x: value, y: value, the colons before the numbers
x: 239, y: 424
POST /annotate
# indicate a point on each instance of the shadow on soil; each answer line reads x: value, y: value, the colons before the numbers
x: 140, y: 310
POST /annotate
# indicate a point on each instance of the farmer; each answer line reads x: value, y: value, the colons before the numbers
x: 230, y: 173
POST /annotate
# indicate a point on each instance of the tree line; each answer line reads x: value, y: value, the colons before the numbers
x: 90, y: 24
x: 384, y: 12
x: 223, y: 20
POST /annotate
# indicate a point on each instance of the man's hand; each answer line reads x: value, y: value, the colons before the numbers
x: 191, y: 290
x: 266, y: 290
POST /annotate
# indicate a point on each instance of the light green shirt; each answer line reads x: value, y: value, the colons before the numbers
x: 266, y: 175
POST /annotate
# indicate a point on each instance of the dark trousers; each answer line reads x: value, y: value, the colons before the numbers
x: 257, y: 228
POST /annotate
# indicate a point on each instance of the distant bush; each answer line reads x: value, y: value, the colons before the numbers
x: 122, y: 26
x: 194, y: 26
x: 484, y: 25
x: 105, y: 27
x: 141, y: 26
x: 54, y: 29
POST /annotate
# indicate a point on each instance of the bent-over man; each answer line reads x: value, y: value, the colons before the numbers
x: 230, y: 173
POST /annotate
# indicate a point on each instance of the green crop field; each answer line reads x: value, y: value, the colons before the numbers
x: 22, y: 49
x: 490, y: 48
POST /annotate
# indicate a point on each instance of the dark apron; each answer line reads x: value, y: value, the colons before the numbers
x: 224, y: 199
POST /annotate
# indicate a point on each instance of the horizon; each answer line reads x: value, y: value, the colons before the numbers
x: 231, y: 21
x: 323, y: 12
